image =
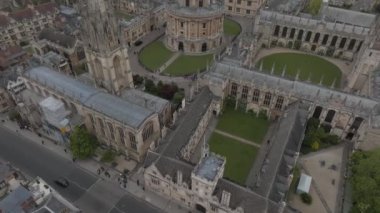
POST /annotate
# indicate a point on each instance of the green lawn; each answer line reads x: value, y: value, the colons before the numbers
x: 188, y: 64
x: 155, y: 55
x: 308, y: 65
x: 125, y: 16
x: 243, y: 125
x: 314, y: 6
x: 231, y: 28
x: 240, y: 157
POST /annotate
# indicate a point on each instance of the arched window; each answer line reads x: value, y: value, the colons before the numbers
x: 98, y: 69
x: 279, y: 102
x: 101, y: 126
x: 276, y: 30
x: 121, y: 135
x: 117, y: 67
x: 267, y: 98
x: 132, y: 139
x: 204, y: 47
x: 284, y: 32
x: 148, y: 131
x: 256, y: 96
x: 110, y: 129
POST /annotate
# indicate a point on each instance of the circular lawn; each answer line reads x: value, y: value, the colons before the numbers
x: 308, y: 66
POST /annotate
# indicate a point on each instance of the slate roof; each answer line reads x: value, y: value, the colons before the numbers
x: 57, y: 37
x: 334, y: 14
x: 192, y: 118
x: 107, y: 104
x: 243, y: 197
x: 169, y: 166
x: 13, y: 202
x: 360, y: 105
x: 144, y: 99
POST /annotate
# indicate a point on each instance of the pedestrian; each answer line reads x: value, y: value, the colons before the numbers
x: 43, y: 142
x: 138, y: 182
x: 65, y: 150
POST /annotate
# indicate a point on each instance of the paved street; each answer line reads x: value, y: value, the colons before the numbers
x: 86, y: 190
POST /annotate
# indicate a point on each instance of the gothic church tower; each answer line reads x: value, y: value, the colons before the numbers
x: 106, y: 54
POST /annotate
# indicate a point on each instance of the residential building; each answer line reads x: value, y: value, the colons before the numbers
x: 10, y: 56
x: 247, y: 8
x: 24, y: 25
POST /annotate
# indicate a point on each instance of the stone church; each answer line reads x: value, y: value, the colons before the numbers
x: 127, y: 120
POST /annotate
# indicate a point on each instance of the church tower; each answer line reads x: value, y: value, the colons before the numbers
x: 106, y: 53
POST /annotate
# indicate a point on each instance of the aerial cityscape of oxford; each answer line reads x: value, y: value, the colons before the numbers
x: 189, y: 106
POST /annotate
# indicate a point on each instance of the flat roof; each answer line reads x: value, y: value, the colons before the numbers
x: 209, y: 167
x: 304, y: 184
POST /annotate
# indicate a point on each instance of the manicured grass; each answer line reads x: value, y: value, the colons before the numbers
x: 125, y: 16
x: 189, y: 64
x: 308, y: 65
x: 231, y: 28
x: 243, y: 125
x: 240, y: 157
x: 314, y: 6
x: 155, y: 55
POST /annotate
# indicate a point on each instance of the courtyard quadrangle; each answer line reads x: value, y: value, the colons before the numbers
x: 310, y: 67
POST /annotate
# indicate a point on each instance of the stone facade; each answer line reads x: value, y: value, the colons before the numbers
x: 343, y: 114
x: 5, y: 100
x: 25, y: 24
x: 336, y: 34
x: 194, y: 26
x: 247, y: 8
x: 106, y: 53
x: 131, y: 140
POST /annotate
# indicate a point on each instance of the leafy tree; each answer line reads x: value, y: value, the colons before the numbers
x: 312, y: 124
x: 82, y: 143
x: 138, y: 80
x: 178, y: 96
x: 108, y: 156
x: 150, y: 87
x: 306, y: 198
x: 331, y: 139
x: 365, y: 179
x: 315, y: 145
x: 297, y: 44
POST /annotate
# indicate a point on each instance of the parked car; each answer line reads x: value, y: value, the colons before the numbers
x: 62, y: 182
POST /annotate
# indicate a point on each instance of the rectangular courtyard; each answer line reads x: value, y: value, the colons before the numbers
x: 240, y: 156
x: 244, y: 125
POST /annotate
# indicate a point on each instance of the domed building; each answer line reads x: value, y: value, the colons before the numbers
x: 194, y: 26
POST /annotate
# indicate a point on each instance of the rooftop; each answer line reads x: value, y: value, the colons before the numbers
x: 112, y: 106
x: 57, y: 37
x: 175, y: 141
x: 209, y: 167
x: 363, y: 106
x: 144, y: 99
x: 16, y: 201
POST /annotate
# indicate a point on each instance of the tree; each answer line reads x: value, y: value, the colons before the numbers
x: 178, y: 96
x: 297, y: 44
x: 108, y: 156
x: 82, y: 143
x: 150, y: 87
x: 306, y: 198
x: 331, y: 139
x: 315, y: 145
x: 365, y: 180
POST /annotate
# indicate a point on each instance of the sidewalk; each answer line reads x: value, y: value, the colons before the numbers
x: 92, y: 167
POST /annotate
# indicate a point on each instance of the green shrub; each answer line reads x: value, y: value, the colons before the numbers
x: 297, y: 45
x: 290, y: 44
x: 263, y: 114
x: 306, y: 198
x: 108, y: 156
x: 331, y: 139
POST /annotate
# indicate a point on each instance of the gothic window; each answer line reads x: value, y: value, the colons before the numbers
x: 279, y: 102
x: 234, y: 89
x: 325, y: 39
x: 244, y: 94
x: 200, y: 3
x: 316, y: 38
x: 352, y: 44
x: 308, y: 36
x: 267, y: 98
x: 300, y: 34
x: 342, y: 43
x: 110, y: 128
x: 292, y: 32
x: 276, y: 30
x: 333, y: 41
x: 187, y: 3
x: 121, y: 135
x: 98, y: 69
x: 284, y: 32
x: 256, y: 96
x: 148, y: 131
x: 132, y: 139
x: 101, y: 126
x: 117, y: 67
x: 359, y: 46
x: 155, y: 181
x: 330, y: 116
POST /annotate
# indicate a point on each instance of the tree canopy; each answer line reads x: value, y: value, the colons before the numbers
x: 365, y: 180
x: 82, y: 143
